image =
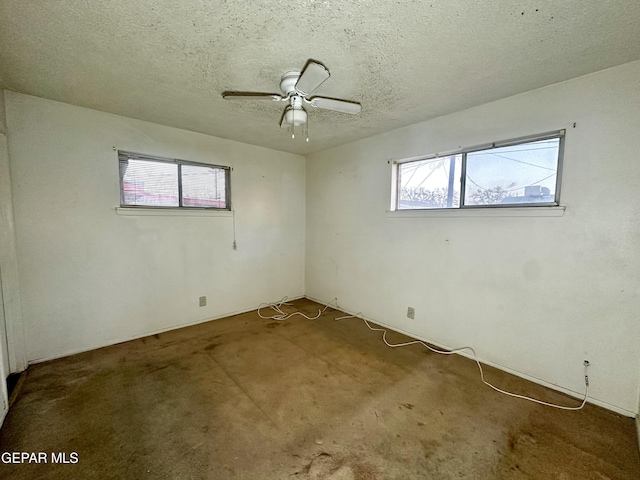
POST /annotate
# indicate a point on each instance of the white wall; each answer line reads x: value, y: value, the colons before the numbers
x: 535, y: 296
x: 89, y: 277
x: 4, y: 350
x: 8, y: 258
x: 4, y: 354
x: 5, y: 197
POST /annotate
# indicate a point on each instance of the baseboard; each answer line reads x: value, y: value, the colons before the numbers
x: 109, y: 343
x: 539, y: 381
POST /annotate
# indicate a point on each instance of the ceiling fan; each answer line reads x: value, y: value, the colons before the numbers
x: 296, y: 89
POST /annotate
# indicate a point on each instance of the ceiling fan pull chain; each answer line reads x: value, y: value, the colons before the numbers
x: 306, y: 128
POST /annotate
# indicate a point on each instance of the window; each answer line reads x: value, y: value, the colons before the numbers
x: 166, y: 183
x: 521, y: 172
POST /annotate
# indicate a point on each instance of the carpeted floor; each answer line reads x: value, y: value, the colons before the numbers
x: 245, y: 398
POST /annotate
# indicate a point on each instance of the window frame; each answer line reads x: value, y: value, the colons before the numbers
x: 152, y: 158
x: 396, y: 186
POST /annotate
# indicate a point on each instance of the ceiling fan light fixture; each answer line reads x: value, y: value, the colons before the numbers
x: 295, y: 117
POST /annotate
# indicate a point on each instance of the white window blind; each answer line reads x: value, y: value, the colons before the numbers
x: 167, y: 183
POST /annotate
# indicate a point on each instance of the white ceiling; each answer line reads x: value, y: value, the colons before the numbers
x: 406, y: 61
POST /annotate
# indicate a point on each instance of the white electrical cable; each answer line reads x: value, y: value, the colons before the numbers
x: 281, y: 315
x: 475, y: 358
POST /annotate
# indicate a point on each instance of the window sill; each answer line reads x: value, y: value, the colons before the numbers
x: 171, y: 212
x: 557, y: 211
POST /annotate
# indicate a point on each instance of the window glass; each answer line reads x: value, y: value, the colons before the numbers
x: 523, y: 173
x: 433, y: 183
x: 203, y: 187
x: 153, y: 184
x: 513, y: 173
x: 168, y: 183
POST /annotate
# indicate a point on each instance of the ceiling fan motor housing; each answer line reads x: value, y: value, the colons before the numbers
x: 288, y: 83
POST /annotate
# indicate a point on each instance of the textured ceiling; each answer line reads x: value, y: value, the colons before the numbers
x: 406, y: 61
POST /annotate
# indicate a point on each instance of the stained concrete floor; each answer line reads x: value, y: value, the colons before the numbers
x: 245, y: 398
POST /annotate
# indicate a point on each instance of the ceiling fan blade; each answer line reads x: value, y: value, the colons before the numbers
x: 313, y: 75
x: 251, y: 96
x: 343, y: 106
x: 283, y: 124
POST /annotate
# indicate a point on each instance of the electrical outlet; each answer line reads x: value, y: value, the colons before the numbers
x: 203, y: 301
x: 411, y: 313
x: 586, y: 372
